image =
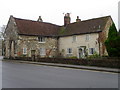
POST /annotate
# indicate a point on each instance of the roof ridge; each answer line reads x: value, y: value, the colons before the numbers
x: 25, y: 19
x: 96, y: 18
x: 36, y: 21
x: 90, y: 19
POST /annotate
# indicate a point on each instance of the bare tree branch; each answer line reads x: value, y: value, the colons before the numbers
x: 2, y: 31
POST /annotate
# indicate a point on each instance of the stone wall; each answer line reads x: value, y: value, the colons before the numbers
x: 32, y: 43
x: 103, y: 36
x: 11, y: 38
x: 15, y: 43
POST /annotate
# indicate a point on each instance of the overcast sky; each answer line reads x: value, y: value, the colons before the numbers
x: 119, y: 15
x: 52, y: 10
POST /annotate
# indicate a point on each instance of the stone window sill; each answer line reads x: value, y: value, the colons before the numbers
x: 41, y: 42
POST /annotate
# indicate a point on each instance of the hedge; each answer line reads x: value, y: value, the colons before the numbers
x: 100, y: 62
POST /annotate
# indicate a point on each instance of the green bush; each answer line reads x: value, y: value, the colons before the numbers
x: 113, y: 42
x: 73, y: 57
x: 23, y: 55
x: 95, y: 55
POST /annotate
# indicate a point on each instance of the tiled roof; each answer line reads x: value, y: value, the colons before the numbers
x: 82, y: 27
x: 29, y: 27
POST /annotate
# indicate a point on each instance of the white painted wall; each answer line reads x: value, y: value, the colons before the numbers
x: 67, y: 42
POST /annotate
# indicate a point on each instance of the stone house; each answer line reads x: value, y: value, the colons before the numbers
x: 27, y: 38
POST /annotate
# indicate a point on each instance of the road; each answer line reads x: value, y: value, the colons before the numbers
x: 21, y: 75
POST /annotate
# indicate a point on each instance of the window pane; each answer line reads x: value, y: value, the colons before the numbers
x: 42, y: 51
x: 87, y: 37
x: 41, y: 39
x: 24, y: 50
x: 91, y: 50
x: 69, y: 50
x: 74, y: 38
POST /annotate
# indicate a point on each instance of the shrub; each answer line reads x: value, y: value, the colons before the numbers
x: 101, y: 62
x: 113, y: 42
x: 95, y: 55
x: 73, y: 57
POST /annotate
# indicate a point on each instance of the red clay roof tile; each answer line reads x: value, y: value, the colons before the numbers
x: 29, y: 27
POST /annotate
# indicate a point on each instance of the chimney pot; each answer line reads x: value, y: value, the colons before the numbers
x: 78, y: 20
x: 40, y: 19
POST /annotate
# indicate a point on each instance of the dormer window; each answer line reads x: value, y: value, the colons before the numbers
x: 41, y: 39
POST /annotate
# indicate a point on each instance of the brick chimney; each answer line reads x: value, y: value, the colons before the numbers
x: 78, y: 20
x: 40, y: 19
x: 67, y: 19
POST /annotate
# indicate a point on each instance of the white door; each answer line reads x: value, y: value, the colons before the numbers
x: 81, y: 53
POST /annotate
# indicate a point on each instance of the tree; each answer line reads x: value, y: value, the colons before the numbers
x: 2, y: 31
x: 113, y: 42
x: 119, y: 34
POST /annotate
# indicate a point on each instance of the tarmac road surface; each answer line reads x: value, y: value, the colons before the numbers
x: 21, y: 75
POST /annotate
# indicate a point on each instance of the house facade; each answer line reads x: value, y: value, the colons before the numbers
x: 27, y: 38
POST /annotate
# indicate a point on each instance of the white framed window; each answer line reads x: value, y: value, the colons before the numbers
x: 87, y: 37
x: 41, y: 39
x: 24, y: 50
x: 91, y: 50
x: 74, y: 38
x: 69, y: 50
x: 42, y: 51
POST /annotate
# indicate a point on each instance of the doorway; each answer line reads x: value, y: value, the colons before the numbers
x: 33, y: 55
x: 81, y: 52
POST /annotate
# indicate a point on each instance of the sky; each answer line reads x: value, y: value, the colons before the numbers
x: 52, y: 10
x: 119, y: 15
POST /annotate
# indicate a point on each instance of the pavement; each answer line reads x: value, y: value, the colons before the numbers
x: 102, y: 69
